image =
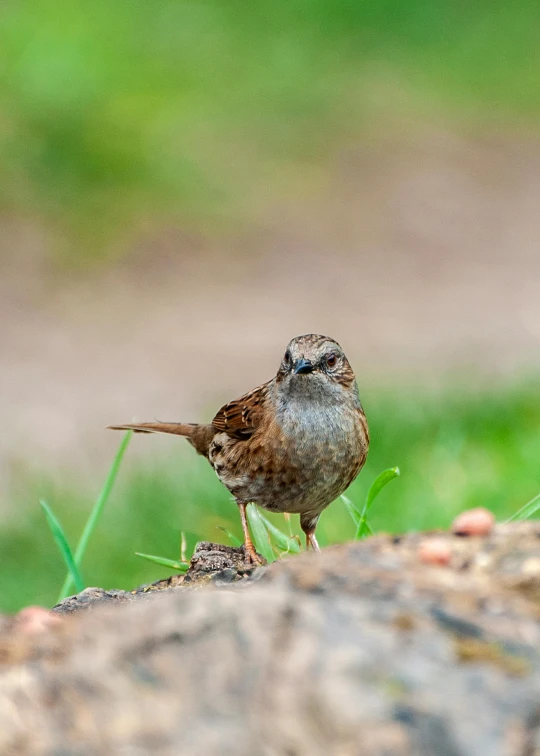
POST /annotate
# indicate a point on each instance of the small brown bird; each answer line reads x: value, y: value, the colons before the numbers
x: 293, y: 444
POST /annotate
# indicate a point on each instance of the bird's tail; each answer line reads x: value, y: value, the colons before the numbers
x: 177, y: 429
x: 199, y: 436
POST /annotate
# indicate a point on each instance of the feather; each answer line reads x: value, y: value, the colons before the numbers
x: 241, y: 417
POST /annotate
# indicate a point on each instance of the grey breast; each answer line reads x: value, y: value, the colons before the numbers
x: 320, y: 445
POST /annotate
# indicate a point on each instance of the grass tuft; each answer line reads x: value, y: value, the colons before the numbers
x: 260, y: 534
x: 96, y: 513
x: 285, y: 544
x: 359, y: 517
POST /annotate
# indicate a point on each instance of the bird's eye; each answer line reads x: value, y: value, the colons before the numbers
x: 287, y: 356
x: 331, y: 359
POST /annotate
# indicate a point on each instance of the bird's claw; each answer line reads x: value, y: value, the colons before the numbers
x: 251, y: 557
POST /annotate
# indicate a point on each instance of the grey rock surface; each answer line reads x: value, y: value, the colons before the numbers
x: 363, y: 650
x: 211, y: 562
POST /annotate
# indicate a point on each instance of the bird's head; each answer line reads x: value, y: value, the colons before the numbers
x: 313, y: 364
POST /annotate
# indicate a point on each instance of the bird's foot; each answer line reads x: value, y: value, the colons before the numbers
x: 252, y: 557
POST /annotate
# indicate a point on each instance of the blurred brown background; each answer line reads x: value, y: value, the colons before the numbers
x: 420, y: 254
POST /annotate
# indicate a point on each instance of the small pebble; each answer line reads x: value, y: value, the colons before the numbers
x: 33, y: 620
x: 435, y: 551
x: 474, y: 522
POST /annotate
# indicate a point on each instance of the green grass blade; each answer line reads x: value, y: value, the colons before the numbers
x: 351, y: 509
x: 183, y: 547
x: 365, y: 528
x: 97, y: 511
x: 261, y: 537
x: 234, y: 540
x: 383, y: 479
x: 164, y: 562
x: 529, y: 510
x: 62, y: 543
x: 379, y: 483
x: 283, y: 541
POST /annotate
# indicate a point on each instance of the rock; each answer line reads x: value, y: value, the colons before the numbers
x: 212, y: 559
x: 211, y: 562
x: 89, y: 598
x: 363, y: 651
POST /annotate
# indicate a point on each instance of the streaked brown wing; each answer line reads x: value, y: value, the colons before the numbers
x: 241, y: 417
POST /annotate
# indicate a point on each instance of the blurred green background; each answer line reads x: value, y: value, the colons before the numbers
x: 186, y: 186
x: 124, y: 112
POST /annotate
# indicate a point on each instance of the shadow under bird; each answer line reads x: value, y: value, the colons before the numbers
x: 293, y: 444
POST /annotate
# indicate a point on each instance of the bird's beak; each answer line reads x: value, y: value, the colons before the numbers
x: 303, y: 366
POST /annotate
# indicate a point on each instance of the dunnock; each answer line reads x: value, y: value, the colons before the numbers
x: 293, y: 444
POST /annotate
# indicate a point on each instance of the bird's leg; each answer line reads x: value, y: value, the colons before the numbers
x: 249, y: 548
x: 312, y: 541
x: 309, y: 526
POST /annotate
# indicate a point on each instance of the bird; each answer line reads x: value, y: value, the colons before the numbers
x: 293, y: 444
